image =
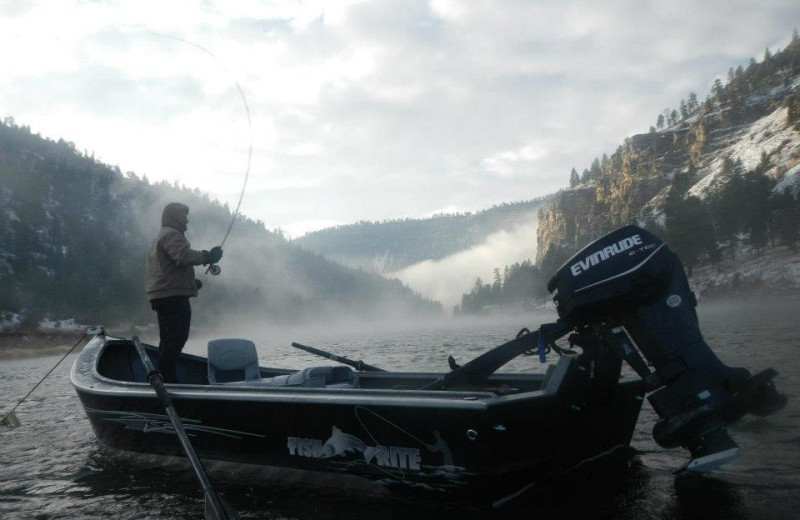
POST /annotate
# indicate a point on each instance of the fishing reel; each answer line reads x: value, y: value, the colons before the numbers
x: 214, y: 269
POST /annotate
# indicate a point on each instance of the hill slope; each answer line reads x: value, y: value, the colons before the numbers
x: 74, y: 233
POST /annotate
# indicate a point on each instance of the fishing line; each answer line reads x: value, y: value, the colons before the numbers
x: 395, y: 474
x: 9, y: 419
x: 249, y: 123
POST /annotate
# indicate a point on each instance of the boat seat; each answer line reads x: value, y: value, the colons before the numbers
x: 556, y: 374
x: 232, y: 360
x: 319, y: 377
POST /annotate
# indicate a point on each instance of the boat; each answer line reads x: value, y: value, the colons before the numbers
x: 380, y: 426
x: 472, y: 431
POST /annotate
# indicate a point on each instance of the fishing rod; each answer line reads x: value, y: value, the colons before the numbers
x: 214, y: 269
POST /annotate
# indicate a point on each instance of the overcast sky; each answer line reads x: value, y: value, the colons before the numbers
x: 367, y: 110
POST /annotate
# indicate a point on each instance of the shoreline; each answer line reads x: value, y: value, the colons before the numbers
x: 38, y: 343
x: 16, y: 345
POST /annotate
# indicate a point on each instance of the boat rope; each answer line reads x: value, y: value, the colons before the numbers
x: 7, y: 418
x: 249, y: 123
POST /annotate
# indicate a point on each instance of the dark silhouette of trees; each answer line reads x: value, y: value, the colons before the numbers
x: 518, y: 286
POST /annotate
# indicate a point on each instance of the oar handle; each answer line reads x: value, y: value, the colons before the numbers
x: 148, y: 364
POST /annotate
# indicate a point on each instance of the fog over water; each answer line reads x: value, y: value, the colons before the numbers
x: 447, y: 279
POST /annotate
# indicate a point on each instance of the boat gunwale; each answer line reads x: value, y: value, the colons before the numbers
x: 98, y: 384
x: 458, y: 399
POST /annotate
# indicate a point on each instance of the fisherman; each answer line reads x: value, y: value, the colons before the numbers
x: 170, y: 282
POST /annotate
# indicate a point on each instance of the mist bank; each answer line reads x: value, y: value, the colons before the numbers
x: 447, y: 279
x: 74, y: 233
x: 394, y: 245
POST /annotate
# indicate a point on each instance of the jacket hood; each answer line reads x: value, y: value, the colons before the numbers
x: 176, y: 216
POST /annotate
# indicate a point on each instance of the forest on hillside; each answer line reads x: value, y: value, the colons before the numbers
x: 74, y: 233
x: 744, y: 210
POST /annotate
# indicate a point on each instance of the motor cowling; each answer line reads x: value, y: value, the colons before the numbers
x: 630, y: 278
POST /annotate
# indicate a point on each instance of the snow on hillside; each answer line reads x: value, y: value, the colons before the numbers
x: 771, y: 135
x: 766, y: 135
x: 791, y: 179
x: 773, y: 271
x: 710, y: 176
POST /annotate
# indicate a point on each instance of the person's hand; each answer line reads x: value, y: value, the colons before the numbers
x: 215, y: 255
x: 198, y: 284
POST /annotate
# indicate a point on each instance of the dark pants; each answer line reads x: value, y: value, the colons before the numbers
x: 174, y: 318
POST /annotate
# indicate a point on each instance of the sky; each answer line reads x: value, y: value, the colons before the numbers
x: 366, y: 110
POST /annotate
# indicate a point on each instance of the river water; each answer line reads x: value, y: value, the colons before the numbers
x: 53, y: 468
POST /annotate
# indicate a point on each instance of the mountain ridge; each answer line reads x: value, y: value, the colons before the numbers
x: 392, y: 245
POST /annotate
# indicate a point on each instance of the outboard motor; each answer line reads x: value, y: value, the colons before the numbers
x: 631, y: 283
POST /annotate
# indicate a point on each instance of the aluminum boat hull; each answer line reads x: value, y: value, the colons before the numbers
x: 483, y: 442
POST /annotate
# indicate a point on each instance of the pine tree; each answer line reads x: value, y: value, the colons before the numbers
x: 794, y: 51
x: 684, y: 110
x: 793, y: 105
x: 718, y: 91
x: 574, y: 180
x: 595, y: 171
x: 692, y: 104
x: 787, y: 219
x: 727, y: 204
x: 689, y: 229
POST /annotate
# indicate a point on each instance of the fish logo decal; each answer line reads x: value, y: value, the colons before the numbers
x: 340, y: 443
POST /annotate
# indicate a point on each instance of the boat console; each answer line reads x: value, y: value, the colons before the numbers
x: 632, y: 286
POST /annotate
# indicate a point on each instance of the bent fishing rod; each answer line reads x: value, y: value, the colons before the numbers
x: 213, y: 268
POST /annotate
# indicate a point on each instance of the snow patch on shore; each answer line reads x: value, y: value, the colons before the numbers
x: 10, y: 321
x: 61, y: 326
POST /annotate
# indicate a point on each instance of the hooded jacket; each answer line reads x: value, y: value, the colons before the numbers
x: 170, y: 261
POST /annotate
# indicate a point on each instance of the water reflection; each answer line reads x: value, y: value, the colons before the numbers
x: 700, y: 497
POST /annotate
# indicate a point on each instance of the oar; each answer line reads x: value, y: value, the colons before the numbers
x: 358, y: 365
x: 216, y: 508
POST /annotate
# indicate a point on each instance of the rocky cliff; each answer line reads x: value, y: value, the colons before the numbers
x: 750, y: 120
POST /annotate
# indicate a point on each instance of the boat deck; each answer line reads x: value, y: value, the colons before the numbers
x: 120, y: 363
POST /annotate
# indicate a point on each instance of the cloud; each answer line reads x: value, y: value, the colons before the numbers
x: 368, y: 110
